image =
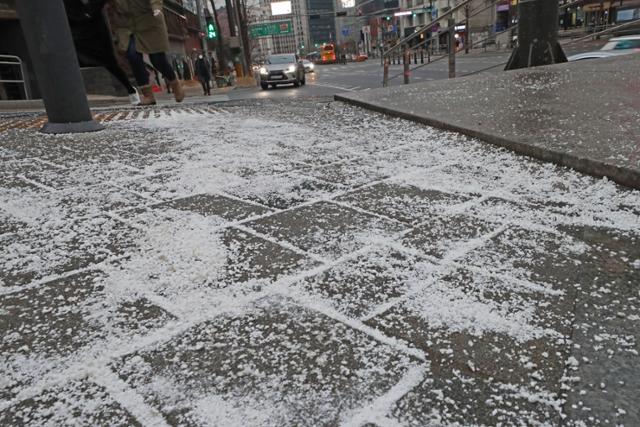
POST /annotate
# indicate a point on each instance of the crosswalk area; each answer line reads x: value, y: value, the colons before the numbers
x: 37, y: 120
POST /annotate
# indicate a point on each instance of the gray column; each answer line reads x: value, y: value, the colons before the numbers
x: 537, y: 35
x: 46, y: 31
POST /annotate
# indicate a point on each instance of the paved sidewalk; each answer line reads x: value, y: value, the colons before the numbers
x: 585, y: 114
x: 309, y: 263
x: 193, y: 94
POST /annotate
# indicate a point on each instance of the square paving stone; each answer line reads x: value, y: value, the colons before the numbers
x: 8, y: 224
x: 77, y: 202
x: 180, y: 257
x: 350, y: 174
x: 445, y: 234
x: 80, y: 175
x: 402, y: 202
x: 252, y: 258
x: 456, y: 399
x: 75, y: 403
x: 157, y: 186
x: 12, y: 176
x: 607, y: 328
x: 532, y: 212
x: 358, y: 286
x: 483, y: 336
x: 212, y: 204
x: 277, y: 364
x: 62, y: 317
x: 536, y: 256
x: 284, y: 191
x: 326, y: 229
x: 62, y: 246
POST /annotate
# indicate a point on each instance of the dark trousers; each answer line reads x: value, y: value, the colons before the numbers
x: 206, y: 87
x: 158, y: 60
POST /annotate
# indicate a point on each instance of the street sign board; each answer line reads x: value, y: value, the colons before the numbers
x: 273, y: 28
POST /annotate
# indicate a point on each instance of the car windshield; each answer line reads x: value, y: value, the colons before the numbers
x: 622, y: 44
x: 281, y: 59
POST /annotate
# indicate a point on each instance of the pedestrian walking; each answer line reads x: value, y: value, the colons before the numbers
x: 203, y: 74
x: 92, y: 39
x: 141, y: 29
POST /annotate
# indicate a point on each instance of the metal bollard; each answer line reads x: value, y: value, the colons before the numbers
x: 452, y: 49
x: 415, y: 57
x: 422, y: 56
x: 406, y: 60
x: 385, y: 73
x: 48, y: 36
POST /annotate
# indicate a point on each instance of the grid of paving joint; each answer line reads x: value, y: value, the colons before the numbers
x: 309, y: 263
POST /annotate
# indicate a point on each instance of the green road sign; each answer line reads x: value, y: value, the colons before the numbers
x: 274, y: 28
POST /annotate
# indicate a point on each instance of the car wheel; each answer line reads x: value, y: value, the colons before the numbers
x: 264, y: 86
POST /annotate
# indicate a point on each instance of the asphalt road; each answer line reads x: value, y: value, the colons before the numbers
x: 330, y: 79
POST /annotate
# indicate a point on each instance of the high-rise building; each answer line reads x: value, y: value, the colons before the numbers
x: 322, y: 22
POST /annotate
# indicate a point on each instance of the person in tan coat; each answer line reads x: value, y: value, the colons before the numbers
x: 141, y: 29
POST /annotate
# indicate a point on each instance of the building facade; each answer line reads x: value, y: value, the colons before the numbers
x: 322, y: 22
x: 296, y: 40
x: 185, y: 37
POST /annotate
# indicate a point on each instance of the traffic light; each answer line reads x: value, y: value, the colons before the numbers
x: 212, y: 32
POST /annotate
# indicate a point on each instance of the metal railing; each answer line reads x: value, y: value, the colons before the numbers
x: 401, y: 48
x: 398, y: 51
x: 12, y: 60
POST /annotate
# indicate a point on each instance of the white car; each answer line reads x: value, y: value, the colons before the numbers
x: 281, y: 69
x: 623, y: 43
x: 309, y: 67
x: 615, y: 47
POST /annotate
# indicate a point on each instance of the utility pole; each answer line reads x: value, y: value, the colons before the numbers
x: 537, y: 35
x: 230, y: 17
x: 244, y: 35
x: 467, y: 42
x: 48, y: 36
x: 406, y: 62
x: 203, y: 26
x: 452, y: 48
x: 222, y: 60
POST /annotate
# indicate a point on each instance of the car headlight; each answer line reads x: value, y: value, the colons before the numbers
x: 263, y: 71
x: 311, y: 66
x: 292, y: 68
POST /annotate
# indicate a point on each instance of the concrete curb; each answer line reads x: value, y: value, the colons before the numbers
x: 621, y: 175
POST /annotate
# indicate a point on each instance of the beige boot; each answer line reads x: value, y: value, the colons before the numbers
x: 147, y: 97
x: 176, y: 88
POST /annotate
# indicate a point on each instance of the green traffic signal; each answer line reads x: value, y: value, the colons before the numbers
x: 211, y: 31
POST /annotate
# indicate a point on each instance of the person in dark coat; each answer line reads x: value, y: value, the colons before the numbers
x: 141, y: 29
x: 203, y: 74
x: 92, y: 39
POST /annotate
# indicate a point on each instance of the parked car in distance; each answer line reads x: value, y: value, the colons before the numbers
x: 309, y: 67
x: 623, y: 43
x: 285, y: 68
x: 614, y: 47
x: 594, y: 55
